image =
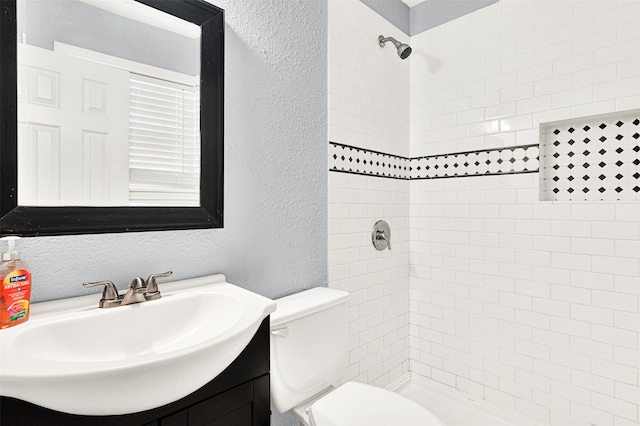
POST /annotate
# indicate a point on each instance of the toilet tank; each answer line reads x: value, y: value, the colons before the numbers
x: 309, y: 342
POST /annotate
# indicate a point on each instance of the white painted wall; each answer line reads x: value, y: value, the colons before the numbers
x: 275, y: 224
x: 531, y: 305
x: 369, y: 108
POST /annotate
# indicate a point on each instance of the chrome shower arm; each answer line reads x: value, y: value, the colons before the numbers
x: 403, y: 49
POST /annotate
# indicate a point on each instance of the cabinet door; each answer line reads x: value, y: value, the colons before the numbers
x: 180, y: 418
x: 206, y: 412
x: 239, y: 417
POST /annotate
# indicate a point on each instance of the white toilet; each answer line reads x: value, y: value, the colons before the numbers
x: 309, y: 341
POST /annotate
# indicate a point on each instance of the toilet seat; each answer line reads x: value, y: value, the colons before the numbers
x: 357, y: 404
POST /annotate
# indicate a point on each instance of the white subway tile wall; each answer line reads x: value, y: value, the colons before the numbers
x: 532, y: 305
x: 541, y: 304
x: 368, y: 85
x: 378, y: 281
x: 369, y: 109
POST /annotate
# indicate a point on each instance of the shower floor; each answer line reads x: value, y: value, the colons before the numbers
x: 455, y: 408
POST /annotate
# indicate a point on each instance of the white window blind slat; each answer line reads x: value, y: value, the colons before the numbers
x: 155, y: 137
x: 164, y: 143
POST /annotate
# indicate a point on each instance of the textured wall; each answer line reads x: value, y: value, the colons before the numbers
x: 274, y: 239
x: 531, y: 305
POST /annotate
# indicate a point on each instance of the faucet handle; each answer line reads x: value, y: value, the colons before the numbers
x: 152, y: 285
x: 110, y: 291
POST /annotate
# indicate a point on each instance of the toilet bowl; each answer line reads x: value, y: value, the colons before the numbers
x: 309, y: 341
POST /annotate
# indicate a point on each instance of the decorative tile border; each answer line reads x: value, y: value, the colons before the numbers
x: 591, y: 158
x: 350, y: 159
x: 495, y: 161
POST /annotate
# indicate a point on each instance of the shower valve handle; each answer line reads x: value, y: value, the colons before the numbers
x: 381, y: 235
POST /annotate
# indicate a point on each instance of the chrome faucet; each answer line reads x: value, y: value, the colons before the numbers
x: 135, y: 293
x: 139, y: 291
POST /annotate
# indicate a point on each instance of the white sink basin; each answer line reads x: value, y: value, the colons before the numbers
x: 73, y: 357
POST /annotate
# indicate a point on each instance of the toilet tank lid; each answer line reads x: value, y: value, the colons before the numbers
x: 306, y: 302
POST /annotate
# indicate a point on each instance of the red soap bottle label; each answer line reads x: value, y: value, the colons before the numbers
x: 16, y: 292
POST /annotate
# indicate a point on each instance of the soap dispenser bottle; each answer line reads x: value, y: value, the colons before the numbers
x: 15, y: 290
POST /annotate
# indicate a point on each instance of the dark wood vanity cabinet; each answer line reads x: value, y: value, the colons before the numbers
x: 239, y: 396
x: 233, y: 407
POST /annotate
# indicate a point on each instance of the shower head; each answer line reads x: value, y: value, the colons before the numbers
x: 403, y: 49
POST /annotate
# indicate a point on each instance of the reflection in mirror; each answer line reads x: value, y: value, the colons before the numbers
x: 147, y: 198
x: 108, y: 105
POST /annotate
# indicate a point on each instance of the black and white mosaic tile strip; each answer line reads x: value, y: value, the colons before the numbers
x: 349, y: 159
x: 591, y: 158
x: 497, y: 161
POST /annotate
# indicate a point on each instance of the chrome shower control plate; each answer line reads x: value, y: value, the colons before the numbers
x: 381, y: 235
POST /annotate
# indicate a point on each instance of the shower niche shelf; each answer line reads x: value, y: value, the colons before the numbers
x: 591, y: 158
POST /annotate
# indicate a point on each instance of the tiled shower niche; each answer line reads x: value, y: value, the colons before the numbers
x: 591, y: 158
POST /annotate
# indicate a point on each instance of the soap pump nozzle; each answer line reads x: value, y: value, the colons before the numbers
x: 12, y: 253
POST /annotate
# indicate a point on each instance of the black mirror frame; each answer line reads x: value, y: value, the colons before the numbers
x: 35, y: 221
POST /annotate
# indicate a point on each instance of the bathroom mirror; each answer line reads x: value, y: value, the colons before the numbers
x: 183, y: 59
